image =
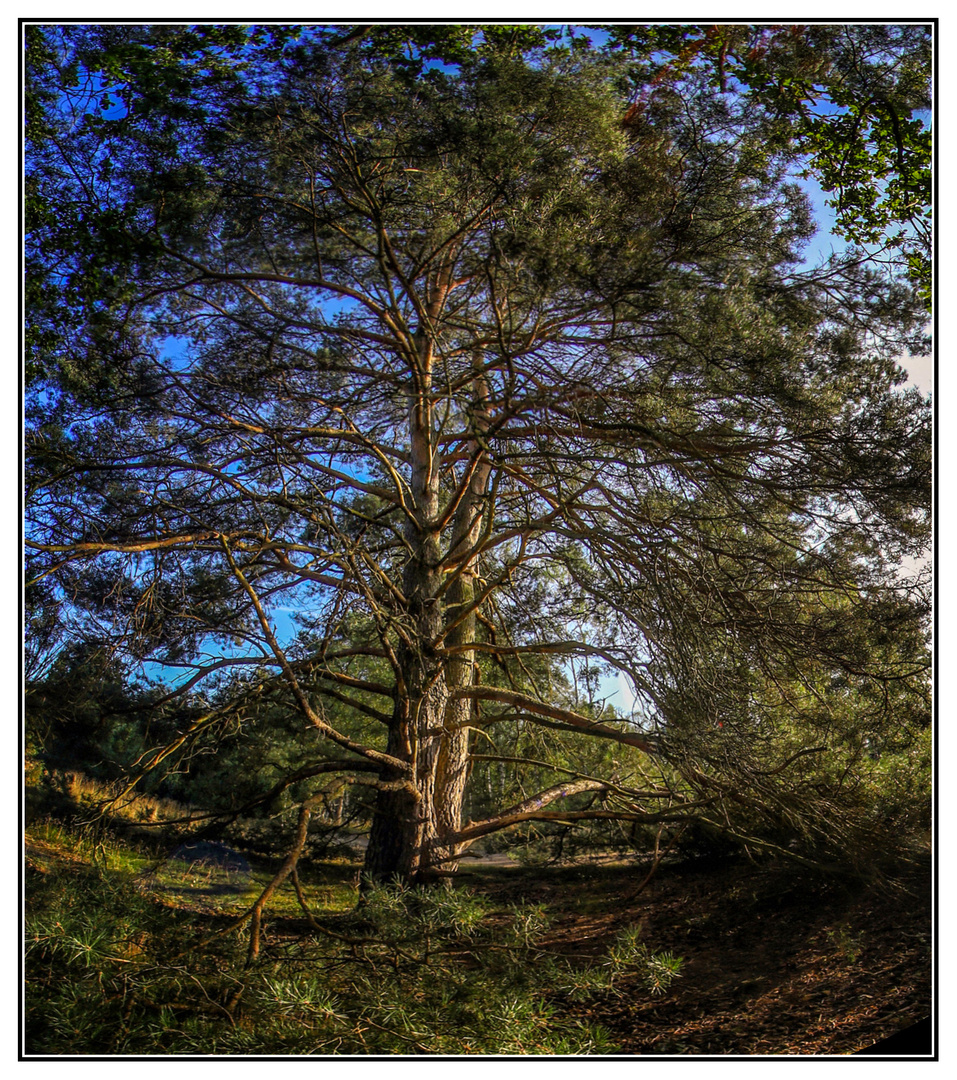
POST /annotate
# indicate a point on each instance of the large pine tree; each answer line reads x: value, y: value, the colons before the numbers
x: 490, y: 360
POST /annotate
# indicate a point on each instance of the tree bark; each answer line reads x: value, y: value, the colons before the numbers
x: 413, y: 831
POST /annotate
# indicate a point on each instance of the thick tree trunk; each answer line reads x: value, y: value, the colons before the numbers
x: 411, y: 829
x: 404, y: 823
x: 408, y: 838
x: 411, y: 823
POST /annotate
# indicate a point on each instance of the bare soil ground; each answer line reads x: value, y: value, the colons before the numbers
x: 774, y: 963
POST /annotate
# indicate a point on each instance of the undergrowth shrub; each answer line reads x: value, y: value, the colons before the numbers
x: 408, y: 971
x: 899, y: 785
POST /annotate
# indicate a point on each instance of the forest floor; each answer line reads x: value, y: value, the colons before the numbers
x: 774, y: 964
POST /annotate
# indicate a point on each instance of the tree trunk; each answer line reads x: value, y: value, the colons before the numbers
x: 410, y: 828
x: 430, y: 729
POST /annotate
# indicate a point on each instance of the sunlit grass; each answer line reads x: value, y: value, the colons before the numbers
x: 56, y: 837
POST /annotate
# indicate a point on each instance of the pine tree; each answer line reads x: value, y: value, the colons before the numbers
x: 455, y: 348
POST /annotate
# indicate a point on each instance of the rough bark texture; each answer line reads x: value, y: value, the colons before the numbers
x: 412, y: 828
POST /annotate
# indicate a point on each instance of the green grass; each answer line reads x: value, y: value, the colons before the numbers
x: 50, y: 841
x: 209, y: 889
x: 130, y: 837
x: 327, y: 889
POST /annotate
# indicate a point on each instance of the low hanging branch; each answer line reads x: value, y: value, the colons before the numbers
x: 532, y: 809
x: 537, y: 710
x: 255, y: 913
x: 568, y: 817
